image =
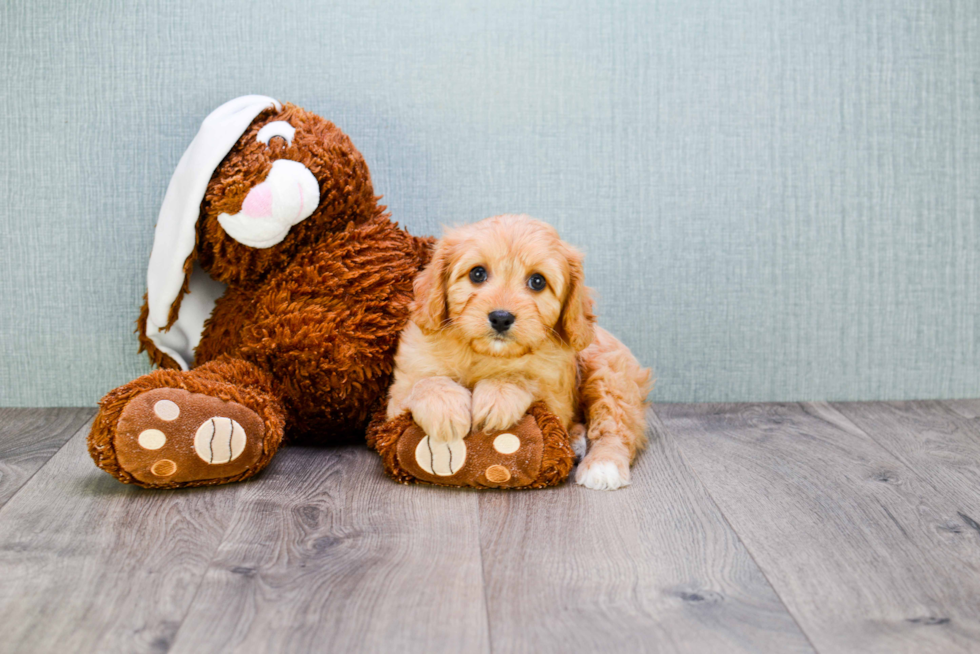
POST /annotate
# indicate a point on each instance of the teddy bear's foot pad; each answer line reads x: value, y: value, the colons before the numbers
x: 501, y: 459
x: 168, y: 436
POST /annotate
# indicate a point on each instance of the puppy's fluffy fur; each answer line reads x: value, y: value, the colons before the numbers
x: 455, y: 372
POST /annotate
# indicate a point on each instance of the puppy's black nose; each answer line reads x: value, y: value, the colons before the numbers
x: 501, y: 320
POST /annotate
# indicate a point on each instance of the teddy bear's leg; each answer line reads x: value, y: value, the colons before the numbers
x: 214, y: 424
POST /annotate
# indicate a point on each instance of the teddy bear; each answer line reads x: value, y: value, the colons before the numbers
x: 277, y: 286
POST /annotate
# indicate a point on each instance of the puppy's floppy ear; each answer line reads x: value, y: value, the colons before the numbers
x: 429, y: 308
x: 577, y: 322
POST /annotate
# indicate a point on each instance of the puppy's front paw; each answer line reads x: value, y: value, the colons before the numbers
x: 603, y: 472
x: 442, y: 408
x: 499, y: 405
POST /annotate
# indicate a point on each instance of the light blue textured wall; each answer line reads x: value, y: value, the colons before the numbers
x: 778, y: 200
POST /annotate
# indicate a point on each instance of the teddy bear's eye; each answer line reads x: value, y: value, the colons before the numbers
x: 478, y: 275
x: 279, y: 128
x: 537, y: 282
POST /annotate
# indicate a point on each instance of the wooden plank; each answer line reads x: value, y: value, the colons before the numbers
x: 92, y: 565
x: 969, y: 409
x: 327, y: 553
x: 653, y: 567
x: 935, y: 440
x: 852, y: 540
x: 29, y: 437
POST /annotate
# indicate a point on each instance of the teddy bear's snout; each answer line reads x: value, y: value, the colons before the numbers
x: 289, y: 194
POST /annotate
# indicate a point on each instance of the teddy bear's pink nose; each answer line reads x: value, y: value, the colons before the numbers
x: 258, y: 202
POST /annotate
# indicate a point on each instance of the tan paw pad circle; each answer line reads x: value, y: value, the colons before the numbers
x: 166, y: 410
x: 497, y: 474
x: 164, y: 468
x: 219, y: 440
x: 152, y: 439
x: 506, y: 443
x: 443, y: 459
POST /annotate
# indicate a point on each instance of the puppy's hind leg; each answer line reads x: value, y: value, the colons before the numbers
x: 612, y: 391
x: 578, y: 436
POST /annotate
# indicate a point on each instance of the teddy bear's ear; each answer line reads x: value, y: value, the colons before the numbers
x: 180, y: 296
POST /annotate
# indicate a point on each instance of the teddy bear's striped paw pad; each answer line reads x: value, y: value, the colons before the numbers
x: 219, y: 440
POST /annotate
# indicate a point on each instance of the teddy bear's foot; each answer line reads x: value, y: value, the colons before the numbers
x: 533, y: 453
x: 173, y: 436
x: 217, y: 423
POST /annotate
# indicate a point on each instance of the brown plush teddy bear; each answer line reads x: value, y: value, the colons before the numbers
x: 276, y: 290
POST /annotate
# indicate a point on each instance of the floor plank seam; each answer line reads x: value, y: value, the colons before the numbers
x: 206, y: 569
x: 483, y: 573
x: 86, y: 424
x: 748, y: 550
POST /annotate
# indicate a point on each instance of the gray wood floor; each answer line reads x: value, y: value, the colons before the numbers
x: 748, y: 528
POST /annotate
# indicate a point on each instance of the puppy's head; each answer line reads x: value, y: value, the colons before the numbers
x: 504, y: 286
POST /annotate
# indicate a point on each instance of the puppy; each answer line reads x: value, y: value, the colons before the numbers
x: 501, y: 319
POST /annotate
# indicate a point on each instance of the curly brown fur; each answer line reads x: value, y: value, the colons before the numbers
x: 227, y: 379
x: 558, y: 457
x: 326, y: 327
x: 383, y: 435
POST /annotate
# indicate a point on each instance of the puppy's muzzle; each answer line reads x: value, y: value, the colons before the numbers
x: 289, y: 194
x: 501, y: 320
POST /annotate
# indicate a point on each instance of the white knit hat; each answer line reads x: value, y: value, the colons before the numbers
x: 173, y: 241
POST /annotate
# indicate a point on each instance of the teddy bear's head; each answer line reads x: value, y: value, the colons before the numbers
x: 290, y: 180
x: 259, y: 182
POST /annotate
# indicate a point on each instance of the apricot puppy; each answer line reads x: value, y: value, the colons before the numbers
x: 502, y: 318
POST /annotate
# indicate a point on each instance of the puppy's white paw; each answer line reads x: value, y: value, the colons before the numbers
x: 602, y: 474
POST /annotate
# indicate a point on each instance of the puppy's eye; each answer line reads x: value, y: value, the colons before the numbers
x: 478, y: 275
x: 537, y: 282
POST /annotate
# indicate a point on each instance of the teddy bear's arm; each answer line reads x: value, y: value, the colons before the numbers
x: 330, y: 323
